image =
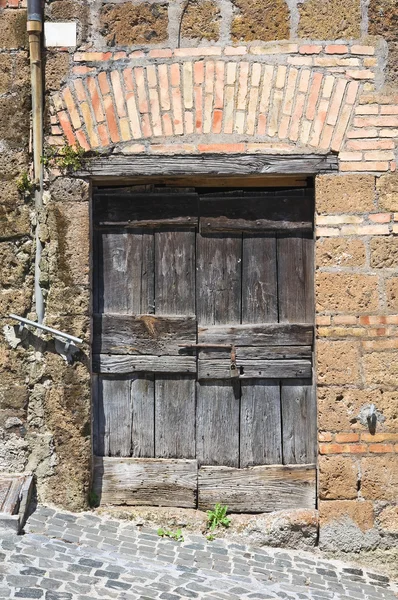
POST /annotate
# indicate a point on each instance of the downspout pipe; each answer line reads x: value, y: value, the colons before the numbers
x: 35, y: 29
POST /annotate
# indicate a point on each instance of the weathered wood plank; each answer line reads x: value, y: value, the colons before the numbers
x: 217, y: 423
x: 143, y: 416
x: 175, y: 273
x: 258, y: 352
x: 145, y: 482
x: 260, y: 334
x: 141, y: 183
x: 186, y: 222
x: 222, y: 224
x: 122, y: 363
x: 260, y: 423
x: 255, y: 211
x: 299, y: 421
x: 217, y: 164
x: 139, y: 209
x: 255, y: 369
x: 126, y: 278
x: 114, y: 417
x: 257, y: 489
x: 175, y: 402
x: 296, y: 278
x: 219, y: 279
x: 142, y: 334
x: 259, y: 280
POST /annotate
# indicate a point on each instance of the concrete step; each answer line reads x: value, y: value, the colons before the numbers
x: 15, y: 492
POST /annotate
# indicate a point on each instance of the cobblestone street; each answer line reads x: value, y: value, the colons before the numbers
x: 65, y: 556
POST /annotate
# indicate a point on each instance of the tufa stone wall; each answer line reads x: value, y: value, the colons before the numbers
x: 357, y: 357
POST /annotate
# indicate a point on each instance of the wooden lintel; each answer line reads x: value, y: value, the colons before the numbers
x: 104, y: 167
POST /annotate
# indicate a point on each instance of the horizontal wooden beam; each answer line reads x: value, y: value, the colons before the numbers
x: 258, y: 352
x: 208, y: 164
x: 257, y: 489
x: 261, y: 334
x: 255, y: 369
x: 105, y: 363
x: 142, y: 334
x: 145, y: 481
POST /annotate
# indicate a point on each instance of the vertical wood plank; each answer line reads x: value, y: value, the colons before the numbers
x: 259, y: 280
x: 175, y: 273
x: 217, y: 423
x: 114, y: 417
x: 299, y: 421
x: 143, y: 421
x: 260, y: 424
x: 219, y: 279
x: 175, y: 416
x: 128, y: 272
x: 296, y: 278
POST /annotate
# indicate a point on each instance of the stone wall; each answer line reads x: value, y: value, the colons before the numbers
x: 214, y: 76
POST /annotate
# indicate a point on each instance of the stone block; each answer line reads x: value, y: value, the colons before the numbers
x: 337, y: 362
x: 344, y: 193
x: 6, y: 68
x: 338, y: 478
x: 12, y: 164
x: 387, y: 189
x: 201, y: 21
x: 330, y: 19
x: 128, y: 24
x: 338, y: 408
x: 392, y: 65
x: 359, y: 511
x: 381, y: 368
x: 380, y: 477
x: 15, y: 262
x: 66, y: 189
x: 388, y: 519
x: 264, y: 20
x: 14, y: 119
x: 13, y: 30
x: 383, y: 19
x: 69, y: 226
x: 384, y: 252
x: 346, y: 292
x: 340, y: 252
x: 64, y: 10
x: 392, y: 294
x: 63, y: 301
x: 14, y: 223
x: 56, y: 69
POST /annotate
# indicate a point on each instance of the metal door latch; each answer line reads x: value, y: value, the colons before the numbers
x: 233, y: 370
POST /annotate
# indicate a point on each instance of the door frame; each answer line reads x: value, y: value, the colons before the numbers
x: 241, y: 170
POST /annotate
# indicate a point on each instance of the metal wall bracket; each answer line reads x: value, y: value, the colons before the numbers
x: 68, y: 341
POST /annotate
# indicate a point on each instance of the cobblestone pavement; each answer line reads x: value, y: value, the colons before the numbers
x: 65, y: 556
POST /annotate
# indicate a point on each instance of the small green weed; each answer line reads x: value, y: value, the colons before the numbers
x: 210, y: 537
x: 67, y: 158
x: 24, y: 184
x: 177, y: 535
x: 218, y: 517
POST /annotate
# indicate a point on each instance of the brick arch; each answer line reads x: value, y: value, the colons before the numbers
x: 296, y: 98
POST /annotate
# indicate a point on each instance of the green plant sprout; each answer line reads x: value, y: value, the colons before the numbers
x: 177, y: 536
x: 67, y: 158
x: 218, y: 517
x: 24, y: 184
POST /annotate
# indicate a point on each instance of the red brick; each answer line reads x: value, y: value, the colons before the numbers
x: 146, y: 126
x: 360, y: 74
x: 377, y: 120
x: 336, y: 101
x: 243, y: 84
x: 310, y: 49
x: 352, y: 91
x: 81, y: 138
x: 161, y: 53
x: 133, y: 115
x: 141, y: 91
x: 199, y: 72
x: 342, y: 448
x: 167, y: 125
x: 198, y: 93
x: 235, y: 50
x: 80, y: 70
x: 118, y: 93
x: 380, y: 218
x: 88, y: 120
x: 103, y: 135
x: 67, y: 128
x: 364, y: 166
x: 175, y: 74
x: 111, y: 119
x: 177, y: 111
x: 336, y: 49
x: 103, y: 83
x: 95, y: 99
x: 370, y: 145
x: 217, y: 121
x: 219, y: 86
x: 381, y: 448
x: 164, y: 87
x: 356, y: 49
x: 325, y: 437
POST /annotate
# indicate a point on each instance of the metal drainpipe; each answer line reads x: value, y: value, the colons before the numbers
x: 35, y: 28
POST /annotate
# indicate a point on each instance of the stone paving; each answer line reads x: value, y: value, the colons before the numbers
x: 65, y: 556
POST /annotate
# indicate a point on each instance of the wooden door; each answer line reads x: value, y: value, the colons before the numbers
x: 192, y: 286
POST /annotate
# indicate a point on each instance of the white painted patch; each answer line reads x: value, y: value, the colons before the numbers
x: 59, y: 34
